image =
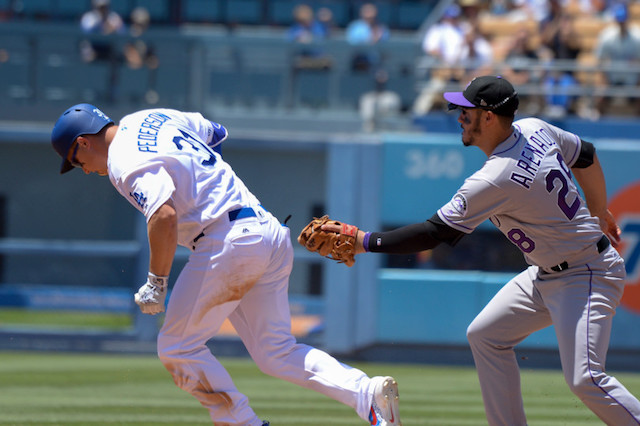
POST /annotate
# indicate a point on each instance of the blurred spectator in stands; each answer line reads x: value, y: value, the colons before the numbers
x: 100, y: 20
x: 519, y: 55
x: 597, y: 8
x: 366, y: 32
x: 618, y: 48
x: 558, y: 33
x: 470, y: 13
x: 325, y: 17
x: 309, y: 32
x: 559, y: 99
x: 139, y: 54
x: 378, y: 103
x: 456, y: 52
x: 305, y: 28
x: 561, y: 46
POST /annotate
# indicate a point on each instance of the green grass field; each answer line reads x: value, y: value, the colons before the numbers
x: 71, y: 389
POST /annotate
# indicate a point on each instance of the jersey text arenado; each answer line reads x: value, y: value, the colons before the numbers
x: 148, y: 132
x: 529, y: 161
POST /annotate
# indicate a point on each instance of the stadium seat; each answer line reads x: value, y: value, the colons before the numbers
x: 201, y: 11
x: 38, y: 8
x: 265, y: 67
x: 588, y: 29
x: 15, y: 63
x: 72, y: 10
x: 352, y: 86
x: 132, y: 85
x: 411, y: 15
x: 281, y: 12
x: 312, y: 88
x: 495, y: 26
x: 243, y: 12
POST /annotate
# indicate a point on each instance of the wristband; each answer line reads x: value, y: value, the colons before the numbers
x: 365, y: 241
x: 157, y: 280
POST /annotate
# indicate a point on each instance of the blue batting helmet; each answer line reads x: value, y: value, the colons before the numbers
x: 81, y: 119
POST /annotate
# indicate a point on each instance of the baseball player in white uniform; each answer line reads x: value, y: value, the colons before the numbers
x: 575, y: 280
x: 164, y: 162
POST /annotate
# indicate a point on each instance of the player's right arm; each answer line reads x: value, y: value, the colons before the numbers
x: 406, y: 239
x: 162, y: 231
x: 412, y: 238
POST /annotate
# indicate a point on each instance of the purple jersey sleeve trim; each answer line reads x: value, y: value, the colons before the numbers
x: 459, y: 227
x: 576, y: 154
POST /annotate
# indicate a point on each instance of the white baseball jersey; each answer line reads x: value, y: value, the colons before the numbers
x: 238, y: 268
x: 531, y: 168
x: 159, y: 154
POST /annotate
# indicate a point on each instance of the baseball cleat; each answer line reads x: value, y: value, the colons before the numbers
x: 265, y: 423
x: 384, y: 407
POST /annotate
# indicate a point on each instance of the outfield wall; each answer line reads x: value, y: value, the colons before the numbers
x: 374, y: 181
x: 417, y: 174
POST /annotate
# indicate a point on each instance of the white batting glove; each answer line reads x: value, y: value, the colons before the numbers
x: 150, y: 297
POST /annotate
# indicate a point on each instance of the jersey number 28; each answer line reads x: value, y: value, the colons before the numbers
x: 556, y: 175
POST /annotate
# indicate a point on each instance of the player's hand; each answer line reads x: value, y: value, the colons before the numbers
x: 150, y: 297
x: 359, y: 248
x: 610, y: 227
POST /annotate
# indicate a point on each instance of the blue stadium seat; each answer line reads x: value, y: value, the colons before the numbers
x: 15, y: 81
x: 200, y: 11
x: 173, y: 74
x: 353, y: 85
x: 312, y: 88
x: 36, y: 8
x: 132, y: 85
x: 243, y: 12
x: 281, y: 12
x: 412, y: 14
x: 62, y: 76
x: 224, y: 73
x: 72, y: 10
x: 265, y: 66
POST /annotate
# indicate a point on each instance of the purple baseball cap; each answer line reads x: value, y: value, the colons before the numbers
x: 489, y: 92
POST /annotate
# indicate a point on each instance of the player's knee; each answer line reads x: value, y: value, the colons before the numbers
x: 583, y: 384
x: 168, y: 351
x: 272, y: 360
x: 475, y: 334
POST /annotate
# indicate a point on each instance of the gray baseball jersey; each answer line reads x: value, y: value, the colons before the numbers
x: 526, y: 189
x: 531, y: 168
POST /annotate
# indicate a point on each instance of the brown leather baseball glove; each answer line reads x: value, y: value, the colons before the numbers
x: 339, y: 246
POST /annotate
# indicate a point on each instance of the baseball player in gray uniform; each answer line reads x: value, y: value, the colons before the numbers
x: 576, y: 277
x: 167, y: 164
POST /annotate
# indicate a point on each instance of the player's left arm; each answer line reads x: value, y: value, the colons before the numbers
x: 590, y: 177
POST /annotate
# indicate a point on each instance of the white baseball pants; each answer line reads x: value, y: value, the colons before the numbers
x: 580, y: 302
x: 240, y: 270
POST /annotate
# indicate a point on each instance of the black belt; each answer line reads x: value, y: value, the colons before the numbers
x: 602, y: 245
x: 234, y: 215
